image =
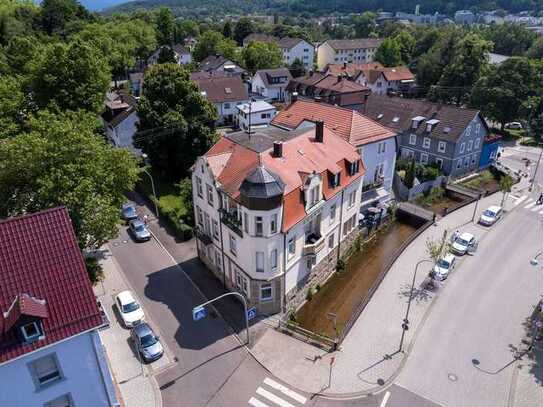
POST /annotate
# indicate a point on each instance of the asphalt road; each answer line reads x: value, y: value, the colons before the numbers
x: 517, y: 157
x: 211, y: 368
x: 463, y: 354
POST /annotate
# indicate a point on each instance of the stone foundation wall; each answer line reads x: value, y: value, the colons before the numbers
x: 320, y: 272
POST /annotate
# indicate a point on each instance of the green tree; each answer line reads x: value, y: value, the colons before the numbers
x: 242, y: 29
x: 14, y: 106
x: 469, y: 63
x: 259, y: 55
x: 71, y: 76
x: 63, y: 161
x: 165, y: 26
x: 407, y: 45
x: 297, y: 68
x: 213, y: 42
x: 21, y: 54
x: 502, y: 91
x: 176, y: 121
x: 506, y: 183
x: 438, y: 248
x: 166, y: 55
x: 509, y: 39
x: 365, y: 25
x: 389, y: 53
x: 227, y: 30
x: 55, y: 14
x: 185, y: 29
x: 536, y: 50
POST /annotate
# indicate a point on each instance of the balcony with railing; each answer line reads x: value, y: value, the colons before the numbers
x: 314, y: 243
x: 377, y: 183
x: 203, y: 236
x: 232, y: 219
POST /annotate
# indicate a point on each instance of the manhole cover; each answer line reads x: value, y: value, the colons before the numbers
x: 452, y: 377
x: 125, y: 241
x: 116, y: 244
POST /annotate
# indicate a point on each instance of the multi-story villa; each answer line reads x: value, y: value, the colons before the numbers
x: 338, y: 51
x: 275, y: 209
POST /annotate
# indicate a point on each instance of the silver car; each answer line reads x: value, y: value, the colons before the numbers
x: 139, y: 230
x: 128, y: 212
x: 146, y: 342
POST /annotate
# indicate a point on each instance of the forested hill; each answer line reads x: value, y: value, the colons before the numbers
x: 322, y: 7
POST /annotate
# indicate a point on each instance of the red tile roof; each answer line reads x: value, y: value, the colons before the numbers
x: 351, y: 69
x: 39, y: 256
x: 24, y: 305
x: 352, y: 126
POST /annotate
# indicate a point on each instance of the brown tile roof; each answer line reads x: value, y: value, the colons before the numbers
x: 268, y: 74
x: 326, y: 84
x: 40, y: 258
x: 347, y: 123
x: 223, y: 88
x: 397, y: 113
x: 351, y: 69
x: 302, y: 155
x: 288, y: 42
x: 259, y: 37
x: 398, y: 73
x: 355, y: 43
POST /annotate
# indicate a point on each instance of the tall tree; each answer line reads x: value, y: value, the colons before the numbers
x: 227, y: 30
x: 389, y: 53
x: 509, y: 38
x: 14, y: 106
x: 71, y: 76
x: 166, y: 56
x: 243, y: 28
x: 365, y: 25
x: 406, y: 43
x: 56, y: 14
x: 63, y: 161
x: 176, y: 122
x: 185, y: 29
x: 297, y: 68
x: 211, y: 43
x: 501, y: 92
x: 165, y: 25
x: 259, y: 55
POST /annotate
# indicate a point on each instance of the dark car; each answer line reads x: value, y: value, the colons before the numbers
x: 128, y: 212
x: 139, y: 230
x: 146, y: 342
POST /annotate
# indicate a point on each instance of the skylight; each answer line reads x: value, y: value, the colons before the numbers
x: 395, y: 119
x: 228, y: 90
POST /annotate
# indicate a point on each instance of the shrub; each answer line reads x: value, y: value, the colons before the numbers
x: 94, y: 270
x: 402, y: 164
x: 340, y: 266
x: 430, y: 173
x: 309, y: 294
x: 318, y: 287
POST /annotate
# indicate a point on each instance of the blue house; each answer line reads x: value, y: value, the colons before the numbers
x: 489, y: 153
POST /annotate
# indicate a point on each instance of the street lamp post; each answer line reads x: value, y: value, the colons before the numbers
x: 476, y: 204
x: 405, y: 323
x: 201, y: 306
x: 144, y: 156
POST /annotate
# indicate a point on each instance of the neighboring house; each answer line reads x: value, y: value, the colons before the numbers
x: 217, y: 64
x: 259, y: 37
x: 297, y: 48
x: 50, y: 351
x: 182, y: 55
x: 338, y: 51
x: 190, y: 43
x: 255, y: 114
x: 431, y: 133
x: 271, y: 83
x: 375, y: 76
x: 335, y: 90
x: 226, y: 92
x: 120, y: 120
x: 274, y: 211
x: 375, y: 143
x: 491, y: 148
x: 464, y: 17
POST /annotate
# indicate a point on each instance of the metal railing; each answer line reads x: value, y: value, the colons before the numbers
x: 231, y: 220
x: 296, y: 331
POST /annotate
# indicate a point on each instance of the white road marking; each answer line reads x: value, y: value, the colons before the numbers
x: 536, y: 208
x: 257, y: 403
x: 285, y: 390
x: 541, y: 213
x: 519, y: 200
x: 530, y: 205
x: 272, y: 397
x: 385, y: 399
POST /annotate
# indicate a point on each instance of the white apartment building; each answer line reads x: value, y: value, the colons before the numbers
x: 275, y: 209
x: 297, y: 48
x: 255, y: 114
x: 351, y: 51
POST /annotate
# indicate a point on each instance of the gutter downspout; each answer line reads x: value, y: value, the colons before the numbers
x: 340, y: 226
x: 284, y: 272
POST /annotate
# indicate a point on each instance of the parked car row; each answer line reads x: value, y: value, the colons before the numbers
x: 146, y: 342
x: 136, y: 227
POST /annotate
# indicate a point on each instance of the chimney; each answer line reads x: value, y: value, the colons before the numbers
x: 345, y: 65
x: 317, y: 99
x: 319, y: 131
x: 294, y: 97
x: 277, y: 149
x: 339, y: 78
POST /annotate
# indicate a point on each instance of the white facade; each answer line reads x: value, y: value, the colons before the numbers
x: 84, y: 377
x: 262, y: 257
x: 182, y: 58
x: 228, y: 111
x: 326, y: 54
x: 381, y: 86
x: 260, y: 114
x: 303, y: 50
x: 269, y: 91
x: 122, y: 135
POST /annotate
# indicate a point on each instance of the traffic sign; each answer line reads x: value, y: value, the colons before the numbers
x: 251, y: 313
x: 198, y: 313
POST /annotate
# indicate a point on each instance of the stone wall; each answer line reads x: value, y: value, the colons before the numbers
x: 320, y: 273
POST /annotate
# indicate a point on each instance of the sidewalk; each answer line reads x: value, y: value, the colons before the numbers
x: 137, y: 386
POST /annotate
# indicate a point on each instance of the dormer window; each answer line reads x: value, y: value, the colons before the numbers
x: 430, y: 124
x: 335, y: 179
x: 415, y: 122
x: 354, y: 167
x: 31, y: 331
x: 313, y: 191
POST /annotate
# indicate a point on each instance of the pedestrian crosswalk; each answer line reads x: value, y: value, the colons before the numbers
x: 531, y: 204
x: 270, y: 393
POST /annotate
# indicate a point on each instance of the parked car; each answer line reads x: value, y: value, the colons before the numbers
x: 443, y: 267
x: 128, y: 212
x: 465, y: 243
x: 146, y: 342
x: 491, y: 215
x: 514, y: 126
x: 139, y: 230
x: 130, y: 310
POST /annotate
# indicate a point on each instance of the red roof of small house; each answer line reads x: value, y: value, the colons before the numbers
x: 42, y: 274
x: 351, y: 125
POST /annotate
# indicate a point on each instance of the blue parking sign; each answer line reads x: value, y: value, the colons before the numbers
x: 251, y: 313
x: 198, y: 313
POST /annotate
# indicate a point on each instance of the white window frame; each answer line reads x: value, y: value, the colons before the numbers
x: 477, y: 143
x: 352, y: 199
x: 200, y: 216
x: 259, y: 226
x: 199, y: 187
x: 459, y: 164
x: 273, y: 223
x: 439, y: 161
x: 56, y: 374
x: 266, y: 287
x: 413, y: 139
x: 274, y: 260
x: 441, y: 146
x: 233, y: 245
x: 209, y: 194
x: 423, y: 158
x: 36, y: 326
x: 291, y: 245
x: 426, y: 142
x: 215, y: 228
x: 333, y: 208
x: 331, y: 241
x: 470, y: 145
x: 259, y: 262
x: 462, y: 147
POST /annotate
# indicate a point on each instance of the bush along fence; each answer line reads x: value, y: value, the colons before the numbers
x: 408, y: 194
